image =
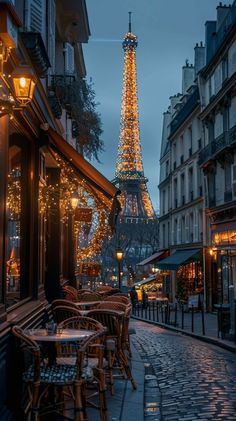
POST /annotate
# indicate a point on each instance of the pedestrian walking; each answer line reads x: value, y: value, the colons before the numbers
x: 144, y: 298
x: 133, y: 296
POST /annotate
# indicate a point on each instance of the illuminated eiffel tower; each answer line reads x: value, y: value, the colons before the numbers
x: 135, y: 200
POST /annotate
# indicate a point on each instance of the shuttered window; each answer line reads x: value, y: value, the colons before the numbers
x: 234, y: 181
x: 35, y: 16
x: 51, y: 29
x: 69, y: 58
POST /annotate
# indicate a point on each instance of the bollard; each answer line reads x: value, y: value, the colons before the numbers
x: 149, y: 311
x: 192, y: 318
x: 175, y: 323
x: 138, y: 309
x: 145, y: 311
x: 153, y: 312
x: 182, y: 316
x: 162, y: 320
x: 203, y: 321
x: 157, y: 312
x: 142, y: 310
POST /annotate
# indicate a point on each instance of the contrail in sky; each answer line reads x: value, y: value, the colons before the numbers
x: 104, y: 40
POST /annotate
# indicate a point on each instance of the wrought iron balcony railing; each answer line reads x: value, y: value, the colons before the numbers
x: 226, y: 140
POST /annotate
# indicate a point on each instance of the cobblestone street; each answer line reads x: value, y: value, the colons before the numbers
x: 187, y: 379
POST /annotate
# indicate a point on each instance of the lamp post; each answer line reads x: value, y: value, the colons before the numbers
x: 119, y: 257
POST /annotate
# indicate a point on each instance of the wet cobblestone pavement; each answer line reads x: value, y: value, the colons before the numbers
x: 186, y: 379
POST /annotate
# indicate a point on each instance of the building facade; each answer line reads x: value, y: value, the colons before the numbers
x: 198, y: 139
x: 217, y: 158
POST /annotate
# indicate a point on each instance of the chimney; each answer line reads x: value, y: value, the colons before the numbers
x: 173, y: 101
x: 222, y: 11
x: 188, y: 75
x: 199, y: 58
x: 210, y: 32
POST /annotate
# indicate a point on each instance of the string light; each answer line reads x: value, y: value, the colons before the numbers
x: 89, y: 233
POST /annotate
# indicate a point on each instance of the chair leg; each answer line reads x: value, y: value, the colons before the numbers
x: 102, y: 396
x: 110, y: 368
x: 79, y: 411
x: 127, y: 368
x: 34, y: 412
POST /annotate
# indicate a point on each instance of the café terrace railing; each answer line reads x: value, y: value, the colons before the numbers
x: 226, y: 140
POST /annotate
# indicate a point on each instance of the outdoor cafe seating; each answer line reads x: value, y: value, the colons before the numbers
x: 49, y: 386
x: 83, y: 365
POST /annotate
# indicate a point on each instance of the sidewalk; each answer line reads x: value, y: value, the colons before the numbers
x: 126, y: 404
x: 210, y: 323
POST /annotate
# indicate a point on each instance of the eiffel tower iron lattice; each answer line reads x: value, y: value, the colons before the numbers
x: 135, y: 199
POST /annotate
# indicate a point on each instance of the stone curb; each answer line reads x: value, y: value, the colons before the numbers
x: 207, y: 339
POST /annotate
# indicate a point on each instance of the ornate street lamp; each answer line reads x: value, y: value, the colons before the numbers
x: 119, y: 257
x: 24, y: 83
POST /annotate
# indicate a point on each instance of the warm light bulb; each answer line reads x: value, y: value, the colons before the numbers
x: 22, y: 82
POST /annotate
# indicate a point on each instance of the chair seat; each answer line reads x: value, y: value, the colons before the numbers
x: 110, y: 345
x: 58, y: 374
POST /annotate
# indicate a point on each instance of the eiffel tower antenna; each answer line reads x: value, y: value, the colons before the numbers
x: 130, y: 13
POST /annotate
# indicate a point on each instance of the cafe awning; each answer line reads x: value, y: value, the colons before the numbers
x: 153, y: 258
x: 146, y: 281
x: 177, y: 259
x: 83, y: 167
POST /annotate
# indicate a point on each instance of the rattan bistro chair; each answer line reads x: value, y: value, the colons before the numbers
x: 38, y: 376
x: 109, y: 305
x: 63, y: 312
x: 70, y: 293
x: 117, y: 299
x: 64, y: 303
x: 95, y: 358
x: 114, y: 346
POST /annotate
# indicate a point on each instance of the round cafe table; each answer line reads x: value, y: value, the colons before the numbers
x: 65, y: 335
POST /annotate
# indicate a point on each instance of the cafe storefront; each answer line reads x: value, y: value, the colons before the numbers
x: 223, y: 262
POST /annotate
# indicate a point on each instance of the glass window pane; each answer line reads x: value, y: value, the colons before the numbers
x: 14, y: 208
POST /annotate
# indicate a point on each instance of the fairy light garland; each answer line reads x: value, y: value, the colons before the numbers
x: 89, y: 234
x: 14, y: 193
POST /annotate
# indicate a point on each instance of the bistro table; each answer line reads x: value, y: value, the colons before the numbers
x: 64, y: 335
x: 87, y: 304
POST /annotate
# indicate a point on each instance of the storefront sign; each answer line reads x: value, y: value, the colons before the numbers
x: 83, y: 214
x: 224, y: 238
x: 90, y: 269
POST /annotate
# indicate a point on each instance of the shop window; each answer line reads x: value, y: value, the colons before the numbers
x: 14, y: 226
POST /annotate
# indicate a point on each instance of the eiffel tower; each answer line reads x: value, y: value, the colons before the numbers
x: 135, y: 200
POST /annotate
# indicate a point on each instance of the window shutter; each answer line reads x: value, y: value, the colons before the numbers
x: 51, y: 29
x: 69, y: 59
x: 234, y: 181
x: 37, y: 16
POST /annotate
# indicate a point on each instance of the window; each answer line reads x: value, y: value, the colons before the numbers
x: 164, y: 235
x: 224, y: 68
x: 167, y: 168
x: 183, y: 229
x: 14, y: 226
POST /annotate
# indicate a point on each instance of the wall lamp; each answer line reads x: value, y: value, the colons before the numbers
x: 22, y: 90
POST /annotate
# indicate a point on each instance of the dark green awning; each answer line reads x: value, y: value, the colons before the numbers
x: 177, y: 259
